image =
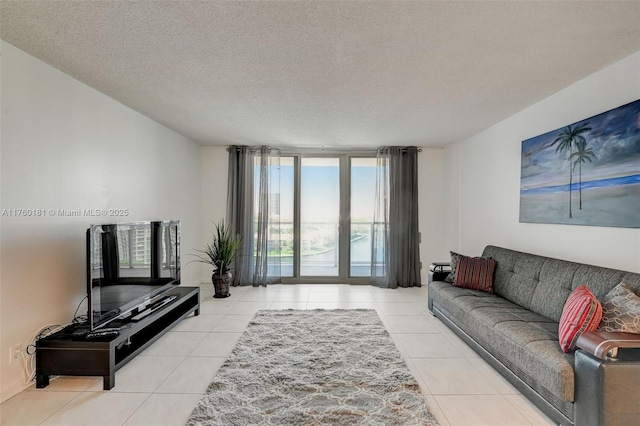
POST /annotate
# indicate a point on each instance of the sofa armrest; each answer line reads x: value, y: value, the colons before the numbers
x: 440, y: 267
x: 438, y: 271
x: 603, y: 344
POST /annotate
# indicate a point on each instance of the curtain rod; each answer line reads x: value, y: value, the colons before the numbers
x: 323, y: 149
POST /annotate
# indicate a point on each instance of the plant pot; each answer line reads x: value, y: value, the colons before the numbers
x: 221, y: 285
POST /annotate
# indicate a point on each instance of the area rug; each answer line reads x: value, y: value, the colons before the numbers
x: 321, y: 367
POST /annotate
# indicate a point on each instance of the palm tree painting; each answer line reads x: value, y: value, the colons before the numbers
x: 593, y: 163
x: 567, y: 139
x: 582, y: 155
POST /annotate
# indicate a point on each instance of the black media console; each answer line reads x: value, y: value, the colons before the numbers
x: 64, y: 353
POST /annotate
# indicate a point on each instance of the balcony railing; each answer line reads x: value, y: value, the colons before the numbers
x: 319, y: 249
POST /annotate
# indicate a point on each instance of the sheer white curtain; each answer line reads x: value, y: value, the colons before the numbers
x: 267, y: 215
x: 253, y: 207
x: 380, y: 236
x: 395, y: 252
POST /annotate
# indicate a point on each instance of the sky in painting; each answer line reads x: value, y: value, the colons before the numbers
x: 614, y: 138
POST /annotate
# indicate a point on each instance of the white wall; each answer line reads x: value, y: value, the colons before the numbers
x: 451, y: 199
x: 214, y: 164
x: 431, y: 176
x: 488, y: 167
x: 66, y: 146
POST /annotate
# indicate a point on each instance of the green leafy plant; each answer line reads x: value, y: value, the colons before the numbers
x: 221, y: 251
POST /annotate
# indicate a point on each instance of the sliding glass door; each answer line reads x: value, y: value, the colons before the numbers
x: 319, y: 216
x: 325, y: 217
x: 362, y: 197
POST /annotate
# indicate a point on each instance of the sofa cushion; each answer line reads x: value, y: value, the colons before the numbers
x: 542, y: 284
x: 582, y: 313
x: 525, y: 342
x: 550, y: 295
x: 475, y: 273
x: 621, y: 310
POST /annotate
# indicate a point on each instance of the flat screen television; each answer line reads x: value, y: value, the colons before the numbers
x: 129, y: 265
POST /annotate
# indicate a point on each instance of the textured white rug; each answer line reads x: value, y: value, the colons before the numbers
x: 337, y: 367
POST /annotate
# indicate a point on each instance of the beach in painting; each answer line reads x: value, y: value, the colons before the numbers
x: 617, y: 206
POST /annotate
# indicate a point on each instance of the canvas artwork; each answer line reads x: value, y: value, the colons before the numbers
x: 586, y: 173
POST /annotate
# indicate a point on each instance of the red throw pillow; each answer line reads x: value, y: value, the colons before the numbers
x: 582, y: 312
x: 475, y: 273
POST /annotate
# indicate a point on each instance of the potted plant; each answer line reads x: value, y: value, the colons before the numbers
x: 220, y: 253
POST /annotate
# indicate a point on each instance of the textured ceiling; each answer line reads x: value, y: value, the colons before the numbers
x: 333, y: 74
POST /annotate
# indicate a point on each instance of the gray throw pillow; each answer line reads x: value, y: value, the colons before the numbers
x: 454, y: 264
x: 621, y: 310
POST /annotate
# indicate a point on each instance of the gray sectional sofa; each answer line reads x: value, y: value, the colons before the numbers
x: 516, y: 330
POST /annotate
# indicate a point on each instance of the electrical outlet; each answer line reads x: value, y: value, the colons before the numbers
x: 14, y: 352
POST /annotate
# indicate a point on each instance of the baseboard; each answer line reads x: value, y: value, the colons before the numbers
x: 193, y: 283
x: 12, y: 390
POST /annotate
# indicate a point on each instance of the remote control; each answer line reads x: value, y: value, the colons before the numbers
x: 154, y: 307
x: 164, y: 301
x: 109, y: 329
x: 105, y: 332
x: 81, y: 332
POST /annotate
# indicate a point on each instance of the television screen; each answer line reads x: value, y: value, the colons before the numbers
x: 128, y: 264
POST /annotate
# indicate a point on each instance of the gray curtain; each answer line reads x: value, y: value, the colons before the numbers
x: 240, y: 210
x: 253, y: 213
x: 395, y: 251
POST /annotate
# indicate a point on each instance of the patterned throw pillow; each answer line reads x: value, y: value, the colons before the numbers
x: 475, y: 273
x: 621, y: 310
x: 454, y: 264
x: 581, y: 313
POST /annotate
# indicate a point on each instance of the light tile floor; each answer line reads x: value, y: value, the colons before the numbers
x: 162, y: 384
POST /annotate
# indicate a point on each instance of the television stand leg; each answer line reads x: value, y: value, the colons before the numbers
x: 42, y: 381
x: 109, y: 381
